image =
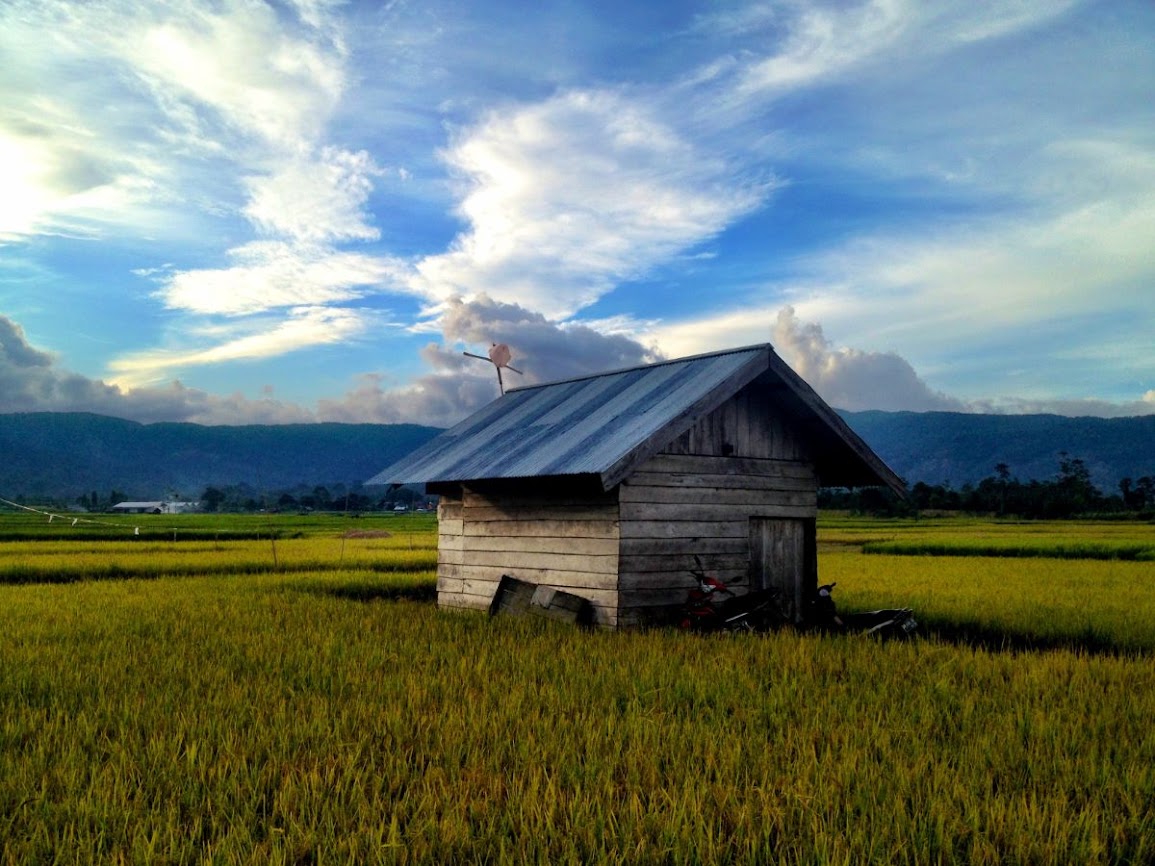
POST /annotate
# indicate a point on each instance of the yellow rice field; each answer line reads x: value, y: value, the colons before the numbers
x: 324, y: 711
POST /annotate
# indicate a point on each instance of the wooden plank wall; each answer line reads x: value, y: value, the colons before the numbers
x: 747, y: 425
x: 569, y: 542
x: 697, y: 497
x: 681, y: 505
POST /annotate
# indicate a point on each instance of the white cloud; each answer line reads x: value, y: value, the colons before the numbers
x: 441, y: 398
x: 196, y: 89
x: 271, y: 274
x: 711, y: 332
x: 32, y: 381
x: 301, y: 328
x: 570, y: 196
x: 988, y: 282
x: 845, y: 377
x: 818, y: 42
x: 859, y: 379
x: 244, y: 63
x: 542, y: 350
x: 851, y: 378
x: 824, y: 41
x: 315, y: 200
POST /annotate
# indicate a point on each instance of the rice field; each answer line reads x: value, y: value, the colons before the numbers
x: 321, y: 710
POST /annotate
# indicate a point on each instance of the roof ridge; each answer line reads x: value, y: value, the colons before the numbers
x: 664, y: 363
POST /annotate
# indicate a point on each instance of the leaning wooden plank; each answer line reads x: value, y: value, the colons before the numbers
x: 512, y: 597
x: 573, y: 581
x: 479, y: 583
x: 555, y: 604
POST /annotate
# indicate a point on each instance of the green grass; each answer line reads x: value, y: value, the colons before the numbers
x: 82, y: 560
x: 974, y: 537
x: 334, y: 715
x: 28, y: 526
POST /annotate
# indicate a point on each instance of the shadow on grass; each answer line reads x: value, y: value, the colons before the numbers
x: 991, y: 639
x: 371, y: 591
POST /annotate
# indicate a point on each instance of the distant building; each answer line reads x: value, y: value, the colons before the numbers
x: 154, y: 507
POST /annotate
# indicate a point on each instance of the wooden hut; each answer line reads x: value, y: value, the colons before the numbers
x: 607, y: 486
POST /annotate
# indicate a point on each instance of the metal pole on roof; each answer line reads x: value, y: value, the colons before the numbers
x: 499, y: 356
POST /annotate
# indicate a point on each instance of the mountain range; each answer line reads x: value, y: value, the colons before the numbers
x: 63, y: 456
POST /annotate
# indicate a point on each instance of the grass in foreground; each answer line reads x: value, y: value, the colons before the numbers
x: 285, y: 719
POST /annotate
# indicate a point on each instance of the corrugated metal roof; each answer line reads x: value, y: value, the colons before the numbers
x: 576, y: 427
x: 597, y: 425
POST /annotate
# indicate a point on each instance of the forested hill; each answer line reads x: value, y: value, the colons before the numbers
x: 956, y: 448
x: 66, y: 455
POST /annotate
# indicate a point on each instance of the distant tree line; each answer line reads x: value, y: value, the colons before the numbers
x: 1070, y: 493
x: 238, y: 498
x: 242, y: 497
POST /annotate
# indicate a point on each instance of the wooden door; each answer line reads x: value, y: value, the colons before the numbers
x: 783, y: 557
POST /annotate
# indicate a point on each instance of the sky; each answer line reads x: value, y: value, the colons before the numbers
x: 240, y: 211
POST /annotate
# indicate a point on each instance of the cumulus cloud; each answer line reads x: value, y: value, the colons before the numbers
x: 851, y: 378
x: 542, y: 350
x: 567, y: 197
x: 440, y: 398
x: 858, y: 379
x: 31, y: 381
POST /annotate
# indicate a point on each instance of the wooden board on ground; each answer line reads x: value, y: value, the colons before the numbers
x: 519, y: 597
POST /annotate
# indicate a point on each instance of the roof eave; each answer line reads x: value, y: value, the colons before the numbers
x: 885, y: 476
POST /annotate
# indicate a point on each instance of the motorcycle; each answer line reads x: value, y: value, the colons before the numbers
x: 706, y: 610
x: 898, y: 622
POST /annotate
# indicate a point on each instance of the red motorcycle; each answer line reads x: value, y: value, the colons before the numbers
x: 713, y: 606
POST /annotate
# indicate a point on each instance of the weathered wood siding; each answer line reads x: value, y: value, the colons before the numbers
x: 567, y: 540
x: 747, y: 425
x: 630, y: 551
x: 697, y: 498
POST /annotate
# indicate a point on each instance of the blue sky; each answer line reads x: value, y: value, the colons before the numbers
x: 251, y: 212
